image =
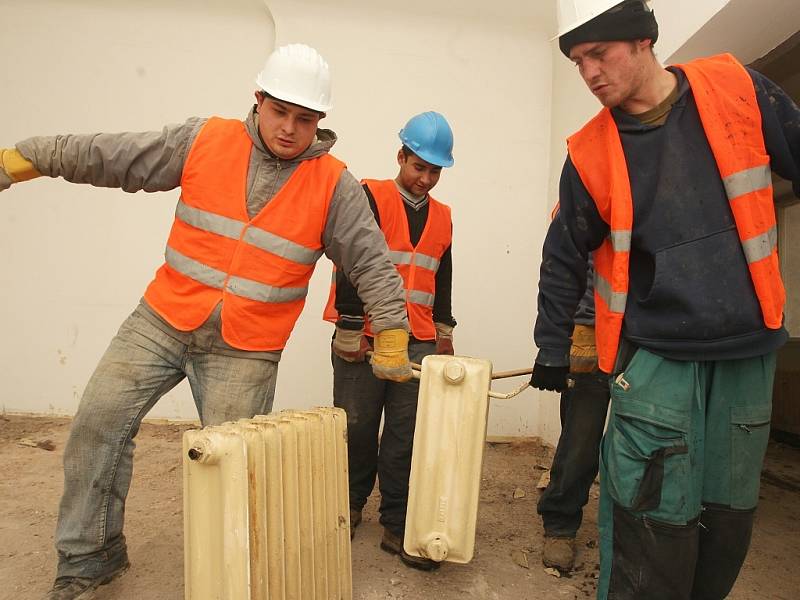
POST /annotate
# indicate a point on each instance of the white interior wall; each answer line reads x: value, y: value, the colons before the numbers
x: 487, y: 69
x: 77, y: 258
x: 748, y: 29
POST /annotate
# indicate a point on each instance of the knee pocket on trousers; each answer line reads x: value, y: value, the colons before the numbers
x: 749, y: 438
x: 647, y: 459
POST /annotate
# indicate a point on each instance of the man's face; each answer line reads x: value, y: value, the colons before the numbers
x: 613, y: 71
x: 416, y: 175
x: 287, y: 129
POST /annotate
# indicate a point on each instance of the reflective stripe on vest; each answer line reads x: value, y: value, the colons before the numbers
x: 416, y: 265
x: 239, y: 286
x: 728, y: 108
x: 615, y: 301
x: 255, y: 236
x: 423, y: 298
x: 421, y: 260
x: 743, y: 162
x: 259, y: 267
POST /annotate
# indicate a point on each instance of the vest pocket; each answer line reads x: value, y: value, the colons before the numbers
x: 647, y: 457
x: 749, y: 438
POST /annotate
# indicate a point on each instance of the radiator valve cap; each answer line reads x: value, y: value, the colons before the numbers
x: 454, y: 372
x: 437, y: 549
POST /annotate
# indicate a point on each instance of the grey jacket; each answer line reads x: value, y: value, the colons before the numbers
x: 153, y: 162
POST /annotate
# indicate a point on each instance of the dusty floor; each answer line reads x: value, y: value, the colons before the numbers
x: 508, y: 528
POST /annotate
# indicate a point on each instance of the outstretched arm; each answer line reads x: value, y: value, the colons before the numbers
x: 150, y: 161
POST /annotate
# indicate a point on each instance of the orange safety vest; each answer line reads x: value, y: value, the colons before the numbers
x: 258, y: 268
x: 417, y: 265
x: 728, y: 107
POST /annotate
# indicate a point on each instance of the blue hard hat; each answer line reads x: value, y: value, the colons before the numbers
x: 428, y: 135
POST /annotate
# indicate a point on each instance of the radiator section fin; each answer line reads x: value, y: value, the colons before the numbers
x: 266, y: 508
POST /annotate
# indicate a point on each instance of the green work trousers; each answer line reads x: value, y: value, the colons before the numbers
x: 679, y: 475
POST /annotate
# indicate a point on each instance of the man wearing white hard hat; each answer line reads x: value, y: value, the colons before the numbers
x: 261, y: 200
x: 418, y: 231
x: 669, y: 187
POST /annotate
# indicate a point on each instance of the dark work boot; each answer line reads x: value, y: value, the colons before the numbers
x: 559, y: 553
x: 724, y: 540
x: 81, y: 588
x: 355, y: 521
x: 393, y: 544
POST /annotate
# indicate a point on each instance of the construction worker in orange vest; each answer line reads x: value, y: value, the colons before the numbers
x: 261, y: 200
x: 669, y: 187
x: 418, y: 231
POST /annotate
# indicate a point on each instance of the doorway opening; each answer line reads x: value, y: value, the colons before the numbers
x: 782, y: 65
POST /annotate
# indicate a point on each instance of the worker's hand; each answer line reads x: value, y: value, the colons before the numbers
x: 549, y: 378
x: 15, y: 168
x: 583, y: 353
x: 444, y: 339
x: 350, y: 345
x: 390, y: 357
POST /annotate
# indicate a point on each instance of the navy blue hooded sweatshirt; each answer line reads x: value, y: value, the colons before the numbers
x: 691, y: 296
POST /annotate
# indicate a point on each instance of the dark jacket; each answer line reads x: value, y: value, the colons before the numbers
x: 690, y: 296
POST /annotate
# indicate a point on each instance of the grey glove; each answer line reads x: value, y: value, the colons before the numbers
x: 350, y: 345
x: 5, y: 181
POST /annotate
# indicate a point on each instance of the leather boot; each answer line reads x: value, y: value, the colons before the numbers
x: 559, y: 553
x: 82, y: 588
x: 393, y: 544
x: 355, y: 521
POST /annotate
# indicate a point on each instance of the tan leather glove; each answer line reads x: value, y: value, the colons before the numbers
x: 444, y: 339
x: 350, y: 345
x: 16, y: 168
x: 583, y: 353
x: 390, y: 356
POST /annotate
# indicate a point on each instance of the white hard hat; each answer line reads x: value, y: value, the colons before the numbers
x: 296, y: 73
x: 574, y: 13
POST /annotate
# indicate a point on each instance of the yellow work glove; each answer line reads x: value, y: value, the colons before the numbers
x: 583, y: 353
x: 16, y: 168
x: 390, y: 356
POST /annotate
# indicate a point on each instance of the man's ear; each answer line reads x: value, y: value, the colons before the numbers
x: 401, y: 158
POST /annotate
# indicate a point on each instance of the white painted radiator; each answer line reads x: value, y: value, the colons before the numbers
x: 444, y: 485
x: 266, y: 508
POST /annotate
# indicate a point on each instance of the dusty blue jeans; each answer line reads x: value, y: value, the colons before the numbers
x: 141, y: 364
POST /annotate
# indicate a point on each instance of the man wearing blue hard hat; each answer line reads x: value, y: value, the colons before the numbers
x: 418, y: 231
